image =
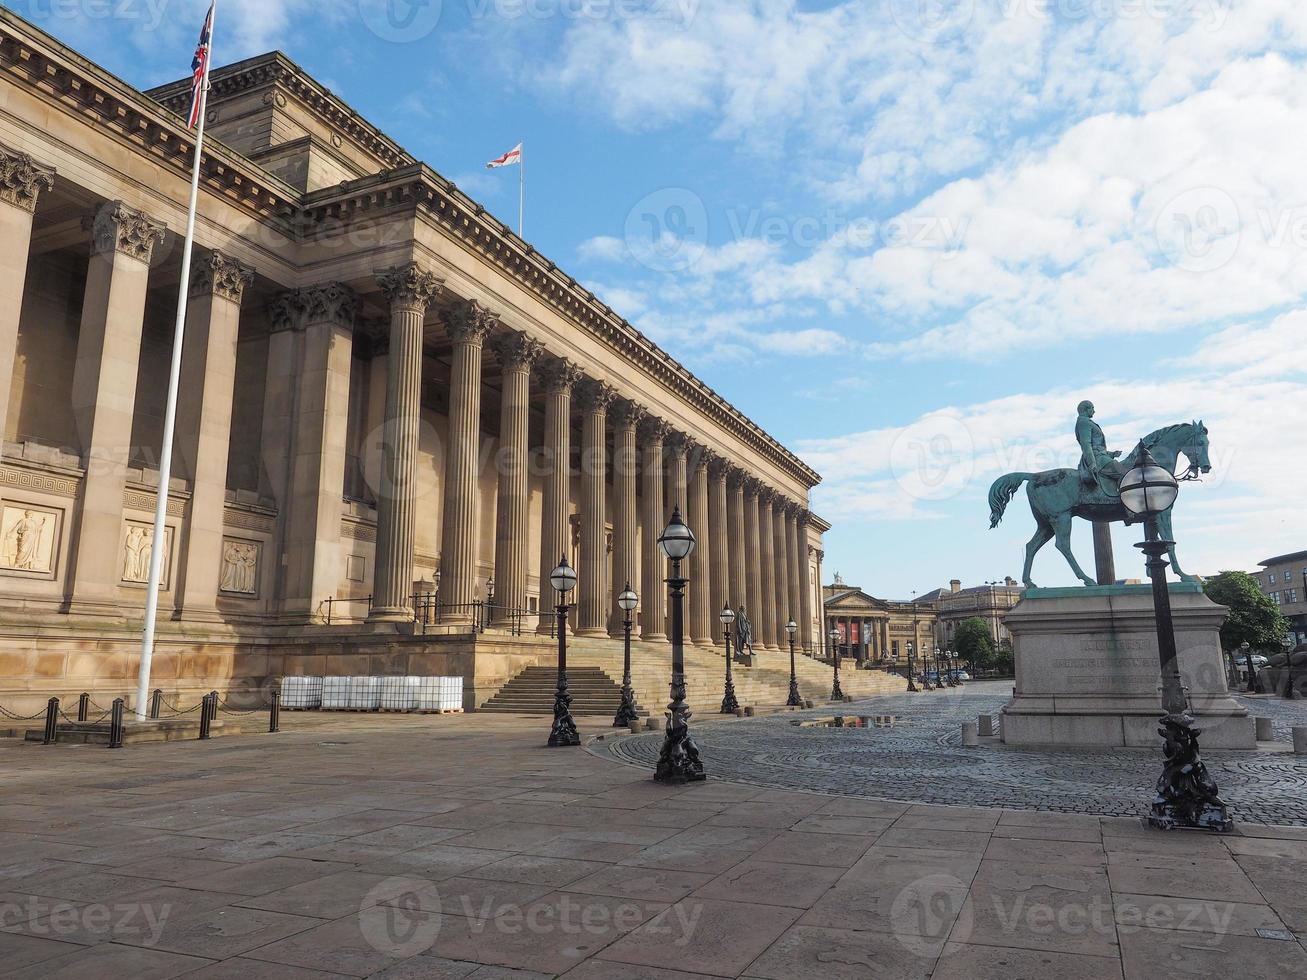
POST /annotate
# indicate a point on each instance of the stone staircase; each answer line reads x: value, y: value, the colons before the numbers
x: 764, y: 685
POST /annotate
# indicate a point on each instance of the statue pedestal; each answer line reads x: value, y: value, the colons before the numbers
x: 1088, y: 672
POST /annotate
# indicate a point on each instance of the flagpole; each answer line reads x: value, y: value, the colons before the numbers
x: 521, y: 187
x: 159, y: 541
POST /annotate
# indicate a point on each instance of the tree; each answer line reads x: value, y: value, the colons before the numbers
x: 973, y: 642
x: 1254, y: 617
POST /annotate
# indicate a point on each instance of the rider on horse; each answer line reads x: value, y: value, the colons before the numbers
x: 1098, y: 466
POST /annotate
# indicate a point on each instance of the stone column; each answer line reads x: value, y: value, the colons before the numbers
x: 558, y: 377
x: 203, y: 433
x: 653, y: 591
x: 737, y: 570
x: 104, y: 397
x: 702, y: 614
x: 21, y: 183
x: 719, y: 531
x: 781, y: 550
x: 626, y: 462
x: 517, y: 353
x: 678, y: 448
x: 316, y: 428
x: 409, y: 290
x: 467, y: 326
x: 753, y: 561
x: 804, y: 582
x: 592, y: 613
x: 773, y: 635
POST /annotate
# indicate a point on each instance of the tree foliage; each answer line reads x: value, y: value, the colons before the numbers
x: 973, y: 642
x: 1254, y: 617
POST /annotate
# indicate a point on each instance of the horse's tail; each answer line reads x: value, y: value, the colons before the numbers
x: 1001, y: 494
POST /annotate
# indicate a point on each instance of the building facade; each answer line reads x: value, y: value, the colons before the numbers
x: 388, y: 400
x: 989, y: 602
x: 1284, y: 579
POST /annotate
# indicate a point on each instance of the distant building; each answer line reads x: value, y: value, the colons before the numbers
x: 1284, y: 579
x: 989, y: 602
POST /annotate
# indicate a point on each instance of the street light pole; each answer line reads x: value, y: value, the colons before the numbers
x: 1187, y: 796
x: 1252, y: 668
x: 730, y: 704
x: 563, y: 733
x: 678, y: 761
x: 836, y: 692
x: 626, y: 713
x: 912, y: 684
x: 794, y: 700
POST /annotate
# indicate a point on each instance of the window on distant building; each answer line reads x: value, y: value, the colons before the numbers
x: 1270, y: 577
x: 1292, y: 595
x: 1275, y: 597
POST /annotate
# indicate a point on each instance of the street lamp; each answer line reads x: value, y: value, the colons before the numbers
x: 563, y: 579
x: 627, y: 600
x: 1186, y: 795
x: 729, y: 703
x: 794, y: 700
x: 1247, y: 652
x: 955, y: 673
x: 679, y: 759
x: 912, y: 684
x: 836, y: 692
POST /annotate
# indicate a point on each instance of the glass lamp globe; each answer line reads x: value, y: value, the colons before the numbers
x: 791, y: 627
x: 1148, y: 489
x: 835, y: 636
x: 563, y: 578
x: 727, y: 615
x: 677, y: 540
x: 628, y: 599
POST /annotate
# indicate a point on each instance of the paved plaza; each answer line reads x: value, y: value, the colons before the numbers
x: 459, y: 847
x: 920, y: 759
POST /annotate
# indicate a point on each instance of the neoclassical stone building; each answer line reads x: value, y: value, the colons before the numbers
x: 389, y: 400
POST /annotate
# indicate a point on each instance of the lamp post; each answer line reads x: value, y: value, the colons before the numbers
x: 912, y: 683
x: 679, y: 760
x: 1247, y: 652
x: 729, y: 703
x: 1232, y: 682
x: 563, y: 579
x: 836, y: 692
x: 627, y: 600
x: 795, y: 700
x: 956, y: 674
x: 1186, y: 795
x: 1289, y: 693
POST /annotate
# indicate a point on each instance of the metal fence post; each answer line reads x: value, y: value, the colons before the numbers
x: 116, y: 724
x: 51, y: 720
x: 83, y: 706
x: 205, y: 705
x: 274, y: 712
x: 156, y: 703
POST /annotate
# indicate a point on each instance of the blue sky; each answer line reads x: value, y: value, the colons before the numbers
x: 905, y: 236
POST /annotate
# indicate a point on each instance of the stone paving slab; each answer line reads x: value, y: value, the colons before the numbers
x: 461, y: 847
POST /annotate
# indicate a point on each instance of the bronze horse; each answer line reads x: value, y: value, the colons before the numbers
x: 1056, y: 496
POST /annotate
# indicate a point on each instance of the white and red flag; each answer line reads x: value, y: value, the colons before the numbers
x: 198, y: 65
x: 508, y: 159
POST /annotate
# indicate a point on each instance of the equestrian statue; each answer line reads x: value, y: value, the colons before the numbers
x: 1092, y: 490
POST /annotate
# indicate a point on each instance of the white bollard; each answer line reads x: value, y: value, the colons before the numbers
x: 1263, y: 730
x: 970, y: 733
x: 1300, y: 740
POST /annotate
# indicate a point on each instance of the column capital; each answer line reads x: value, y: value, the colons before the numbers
x: 736, y: 478
x: 594, y: 396
x: 286, y: 310
x: 469, y: 323
x: 22, y: 179
x: 517, y: 351
x: 329, y: 302
x: 628, y: 413
x: 654, y: 429
x: 409, y: 286
x: 719, y: 467
x: 119, y: 228
x: 559, y: 374
x: 766, y: 495
x: 218, y: 275
x: 678, y: 444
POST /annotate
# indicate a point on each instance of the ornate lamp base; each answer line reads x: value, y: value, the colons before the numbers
x: 564, y: 732
x: 836, y: 692
x: 679, y: 760
x: 729, y: 703
x: 1186, y: 794
x: 626, y: 710
x: 795, y: 699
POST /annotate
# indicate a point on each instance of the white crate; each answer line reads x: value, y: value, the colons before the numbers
x: 439, y: 693
x: 364, y: 693
x: 335, y: 693
x: 301, y: 692
x: 399, y: 693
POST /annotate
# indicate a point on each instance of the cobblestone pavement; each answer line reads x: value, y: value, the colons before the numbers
x: 921, y: 760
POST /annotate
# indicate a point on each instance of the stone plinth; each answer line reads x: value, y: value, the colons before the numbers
x: 1088, y: 672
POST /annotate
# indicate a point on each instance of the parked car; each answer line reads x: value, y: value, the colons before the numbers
x: 961, y: 675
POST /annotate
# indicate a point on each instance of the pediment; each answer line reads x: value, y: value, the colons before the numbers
x: 855, y: 600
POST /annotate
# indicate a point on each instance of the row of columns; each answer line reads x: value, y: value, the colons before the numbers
x: 873, y: 635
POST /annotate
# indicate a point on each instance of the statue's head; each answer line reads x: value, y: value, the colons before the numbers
x: 1086, y: 407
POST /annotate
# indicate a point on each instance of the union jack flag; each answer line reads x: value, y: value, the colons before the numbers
x: 199, y: 64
